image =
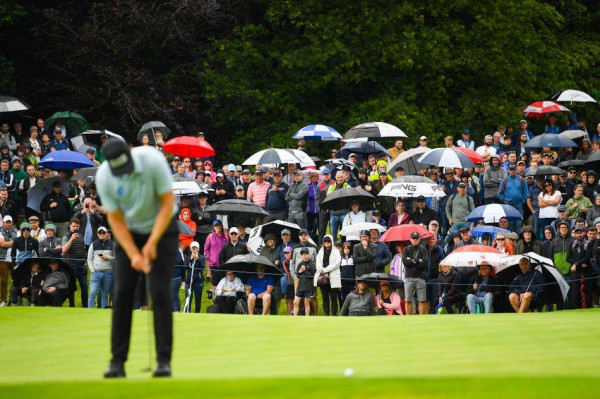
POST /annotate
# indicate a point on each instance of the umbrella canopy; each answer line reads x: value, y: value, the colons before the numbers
x: 305, y: 160
x: 235, y: 206
x: 542, y: 108
x: 574, y: 134
x: 342, y: 198
x: 244, y: 266
x: 479, y: 231
x: 74, y: 122
x: 477, y: 248
x: 408, y: 161
x: 13, y: 104
x: 362, y: 148
x: 184, y: 228
x: 92, y: 137
x: 202, y: 185
x: 446, y: 157
x: 574, y: 162
x: 471, y: 259
x: 36, y: 194
x: 257, y: 235
x: 375, y: 130
x: 45, y: 268
x: 318, y: 133
x: 493, y: 212
x: 403, y: 232
x: 187, y: 146
x: 412, y: 186
x: 572, y: 96
x: 550, y: 140
x: 272, y: 156
x: 85, y: 174
x: 593, y: 162
x: 150, y: 128
x: 185, y: 187
x: 373, y: 280
x: 355, y: 229
x: 66, y: 160
x: 508, y: 269
x: 473, y: 156
x: 335, y: 165
x: 545, y: 170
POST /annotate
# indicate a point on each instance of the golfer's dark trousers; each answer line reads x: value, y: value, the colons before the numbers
x: 160, y: 279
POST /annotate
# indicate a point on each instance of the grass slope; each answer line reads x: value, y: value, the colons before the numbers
x: 65, y: 350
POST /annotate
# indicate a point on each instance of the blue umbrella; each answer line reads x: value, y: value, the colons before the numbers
x: 492, y: 213
x: 479, y: 231
x: 362, y: 148
x: 66, y: 160
x: 550, y: 140
x: 318, y: 133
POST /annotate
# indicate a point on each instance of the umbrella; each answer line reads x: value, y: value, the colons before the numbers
x: 493, y: 212
x: 471, y: 259
x: 446, y: 157
x: 544, y: 170
x: 550, y: 140
x: 187, y: 146
x: 355, y: 229
x: 479, y: 231
x: 36, y: 194
x: 335, y: 165
x: 85, y: 174
x: 412, y: 186
x: 473, y: 156
x: 74, y: 122
x: 373, y: 280
x: 318, y: 133
x: 375, y: 130
x: 149, y: 128
x: 256, y: 239
x: 508, y: 269
x: 593, y: 162
x: 574, y: 162
x: 184, y: 228
x: 342, y: 198
x: 235, y: 206
x: 202, y: 185
x: 13, y: 104
x: 477, y: 248
x: 362, y: 148
x: 186, y: 187
x: 574, y: 134
x: 245, y: 265
x: 92, y: 137
x: 271, y: 156
x: 45, y: 268
x: 408, y: 160
x: 305, y: 160
x: 79, y: 144
x: 542, y: 108
x: 403, y: 232
x: 573, y: 96
x: 66, y: 160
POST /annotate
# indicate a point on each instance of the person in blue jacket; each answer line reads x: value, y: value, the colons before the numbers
x: 513, y: 191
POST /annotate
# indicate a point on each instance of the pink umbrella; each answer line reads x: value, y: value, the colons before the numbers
x: 473, y: 156
x: 477, y: 248
x: 542, y: 108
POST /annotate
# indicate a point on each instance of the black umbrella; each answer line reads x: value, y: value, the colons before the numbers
x: 336, y: 165
x: 593, y: 162
x: 574, y: 162
x: 374, y: 130
x: 45, y: 269
x: 244, y: 266
x: 277, y: 226
x: 234, y: 206
x: 544, y: 170
x: 150, y: 128
x: 408, y: 161
x: 362, y: 148
x: 342, y: 199
x: 374, y: 279
x: 85, y: 174
x: 93, y: 137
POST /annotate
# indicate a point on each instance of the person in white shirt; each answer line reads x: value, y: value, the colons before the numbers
x: 466, y: 141
x: 226, y: 292
x: 486, y: 150
x: 354, y: 216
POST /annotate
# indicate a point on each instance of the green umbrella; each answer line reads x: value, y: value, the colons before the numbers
x: 74, y: 122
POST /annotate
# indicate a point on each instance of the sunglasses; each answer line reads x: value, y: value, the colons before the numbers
x: 233, y: 234
x: 102, y: 232
x: 303, y: 234
x: 499, y: 239
x: 548, y: 185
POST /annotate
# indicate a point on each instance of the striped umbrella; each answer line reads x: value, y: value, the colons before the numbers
x: 543, y: 108
x: 492, y: 213
x: 317, y: 133
x: 473, y: 156
x: 446, y: 157
x: 375, y: 130
x: 272, y: 156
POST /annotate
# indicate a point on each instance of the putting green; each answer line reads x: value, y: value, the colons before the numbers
x: 65, y: 350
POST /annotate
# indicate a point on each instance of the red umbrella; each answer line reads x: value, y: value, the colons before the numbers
x: 187, y: 146
x: 477, y: 248
x: 542, y: 108
x: 403, y: 232
x: 472, y: 155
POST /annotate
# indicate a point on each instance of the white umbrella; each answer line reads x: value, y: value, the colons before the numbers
x: 574, y: 96
x: 471, y: 259
x: 374, y: 130
x: 185, y: 188
x: 574, y: 134
x: 412, y: 186
x: 355, y: 229
x: 272, y: 156
x: 305, y: 160
x: 12, y: 104
x: 79, y: 144
x: 446, y: 157
x: 408, y: 160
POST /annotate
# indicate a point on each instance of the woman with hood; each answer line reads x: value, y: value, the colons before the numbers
x: 585, y: 150
x: 209, y: 171
x: 591, y: 186
x: 594, y: 212
x: 449, y: 288
x: 491, y: 180
x: 549, y: 234
x: 381, y: 169
x: 185, y: 216
x: 327, y: 276
x: 212, y: 248
x: 528, y: 242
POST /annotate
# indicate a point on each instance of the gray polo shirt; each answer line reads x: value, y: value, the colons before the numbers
x: 136, y: 194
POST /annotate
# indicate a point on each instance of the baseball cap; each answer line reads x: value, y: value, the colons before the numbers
x: 297, y: 172
x: 270, y: 236
x: 101, y: 228
x: 220, y: 174
x: 246, y: 172
x: 365, y: 233
x: 327, y: 238
x: 434, y: 222
x: 217, y: 222
x: 462, y: 185
x: 276, y: 172
x: 32, y: 128
x: 304, y: 250
x: 466, y: 131
x: 512, y: 236
x: 464, y: 229
x: 285, y: 231
x: 522, y: 121
x: 238, y: 168
x: 233, y: 230
x: 376, y: 212
x: 346, y: 167
x: 7, y: 218
x: 287, y: 249
x: 231, y: 167
x: 326, y: 171
x: 578, y: 228
x: 200, y: 134
x: 194, y: 244
x: 512, y: 166
x: 117, y: 154
x: 25, y: 225
x: 362, y: 170
x: 420, y: 198
x: 562, y: 208
x: 238, y: 188
x: 303, y: 231
x: 423, y: 138
x: 399, y: 168
x: 352, y: 155
x: 415, y: 234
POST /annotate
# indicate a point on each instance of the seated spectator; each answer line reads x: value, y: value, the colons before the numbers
x: 55, y: 288
x: 482, y: 289
x: 227, y: 292
x: 30, y: 286
x: 526, y: 289
x: 260, y: 286
x: 305, y: 272
x: 388, y: 301
x: 359, y: 302
x: 448, y: 288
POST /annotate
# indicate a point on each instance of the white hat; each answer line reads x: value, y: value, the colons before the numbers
x: 233, y: 230
x: 423, y: 138
x: 194, y: 244
x: 101, y: 228
x: 7, y: 218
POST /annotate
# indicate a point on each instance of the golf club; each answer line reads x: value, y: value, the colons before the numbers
x: 149, y: 368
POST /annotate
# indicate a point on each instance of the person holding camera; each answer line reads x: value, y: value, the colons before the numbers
x: 75, y: 255
x: 89, y: 221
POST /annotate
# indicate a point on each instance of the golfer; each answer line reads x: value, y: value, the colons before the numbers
x: 135, y: 187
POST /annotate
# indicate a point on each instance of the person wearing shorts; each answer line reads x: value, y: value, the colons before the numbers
x: 305, y: 273
x: 415, y: 259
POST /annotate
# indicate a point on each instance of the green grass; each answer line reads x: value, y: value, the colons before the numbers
x: 50, y: 351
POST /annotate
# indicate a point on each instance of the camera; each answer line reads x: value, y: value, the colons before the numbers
x: 87, y: 206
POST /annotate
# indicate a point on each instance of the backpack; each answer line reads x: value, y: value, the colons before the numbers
x: 503, y: 188
x: 470, y: 201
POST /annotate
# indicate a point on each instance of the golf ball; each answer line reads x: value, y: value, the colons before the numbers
x: 349, y: 372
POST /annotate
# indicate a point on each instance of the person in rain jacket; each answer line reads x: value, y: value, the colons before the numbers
x: 513, y: 191
x: 593, y: 213
x: 212, y: 248
x: 578, y: 204
x: 381, y: 169
x: 185, y: 216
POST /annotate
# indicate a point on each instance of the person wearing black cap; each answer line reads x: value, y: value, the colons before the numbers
x: 415, y: 258
x: 135, y: 186
x: 398, y: 171
x: 56, y: 209
x: 223, y: 188
x: 465, y: 237
x: 579, y: 256
x: 423, y: 214
x: 458, y: 207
